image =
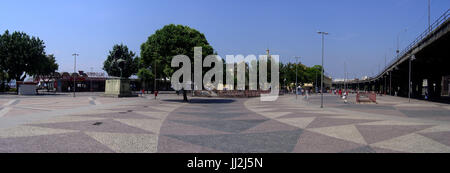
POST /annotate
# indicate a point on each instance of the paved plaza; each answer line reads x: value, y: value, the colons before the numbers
x: 91, y: 123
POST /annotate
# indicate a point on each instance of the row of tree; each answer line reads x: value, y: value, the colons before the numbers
x: 159, y: 49
x: 22, y: 56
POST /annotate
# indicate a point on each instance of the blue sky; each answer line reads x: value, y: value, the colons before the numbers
x: 362, y: 32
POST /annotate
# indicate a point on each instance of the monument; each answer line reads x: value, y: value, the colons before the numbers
x: 119, y: 86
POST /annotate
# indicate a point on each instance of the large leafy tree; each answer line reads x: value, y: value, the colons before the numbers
x: 159, y: 49
x: 21, y: 55
x: 121, y: 62
x: 47, y: 66
x: 46, y: 69
x: 157, y: 52
x: 144, y: 74
x: 304, y: 74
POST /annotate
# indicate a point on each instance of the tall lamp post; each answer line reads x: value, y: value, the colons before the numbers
x: 92, y: 72
x: 315, y: 84
x: 413, y: 57
x: 321, y: 82
x: 296, y: 71
x: 74, y: 72
x: 429, y: 13
x: 345, y: 77
x: 154, y: 83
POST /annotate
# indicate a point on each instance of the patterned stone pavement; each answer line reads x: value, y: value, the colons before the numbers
x: 145, y: 125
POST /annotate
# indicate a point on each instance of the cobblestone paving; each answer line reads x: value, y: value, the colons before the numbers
x: 144, y: 125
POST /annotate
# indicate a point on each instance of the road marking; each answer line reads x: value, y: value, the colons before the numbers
x: 4, y: 111
x: 11, y: 102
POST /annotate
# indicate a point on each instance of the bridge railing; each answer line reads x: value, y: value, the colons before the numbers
x: 443, y: 18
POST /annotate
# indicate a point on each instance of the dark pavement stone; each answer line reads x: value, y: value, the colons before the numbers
x: 119, y: 115
x: 365, y: 149
x: 271, y: 142
x: 233, y: 126
x: 441, y: 137
x: 368, y: 106
x: 431, y: 114
x: 107, y: 125
x: 376, y: 133
x: 311, y: 142
x: 328, y: 122
x: 170, y: 145
x: 215, y: 115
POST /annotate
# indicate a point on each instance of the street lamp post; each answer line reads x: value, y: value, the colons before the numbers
x: 321, y: 82
x: 296, y: 84
x: 390, y: 83
x: 429, y: 13
x: 315, y: 84
x: 154, y: 83
x: 74, y: 72
x: 92, y: 72
x: 345, y: 76
x: 413, y: 57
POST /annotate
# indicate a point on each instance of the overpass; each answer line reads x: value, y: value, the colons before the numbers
x: 421, y: 70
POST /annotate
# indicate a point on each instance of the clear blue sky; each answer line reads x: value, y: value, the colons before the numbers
x: 362, y: 31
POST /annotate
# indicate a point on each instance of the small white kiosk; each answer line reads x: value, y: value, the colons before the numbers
x: 26, y: 88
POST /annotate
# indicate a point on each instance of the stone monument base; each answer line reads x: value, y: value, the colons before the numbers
x: 119, y: 87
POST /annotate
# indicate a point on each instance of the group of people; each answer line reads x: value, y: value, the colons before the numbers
x: 341, y: 93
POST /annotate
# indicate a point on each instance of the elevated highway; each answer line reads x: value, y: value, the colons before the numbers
x: 424, y: 64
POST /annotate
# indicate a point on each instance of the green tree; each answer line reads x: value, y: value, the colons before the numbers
x: 20, y: 55
x: 159, y: 49
x: 144, y: 74
x: 121, y: 62
x: 46, y: 69
x: 47, y: 66
x: 314, y: 74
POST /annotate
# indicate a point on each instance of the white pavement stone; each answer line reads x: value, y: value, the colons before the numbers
x: 394, y: 122
x: 347, y: 132
x: 413, y: 143
x: 26, y: 131
x: 439, y: 128
x: 297, y: 122
x: 157, y: 115
x: 273, y: 115
x: 127, y: 143
x: 151, y: 125
x: 63, y: 119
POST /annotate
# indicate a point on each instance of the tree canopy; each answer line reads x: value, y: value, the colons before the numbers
x: 305, y: 74
x: 121, y: 58
x: 22, y: 55
x: 171, y: 40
